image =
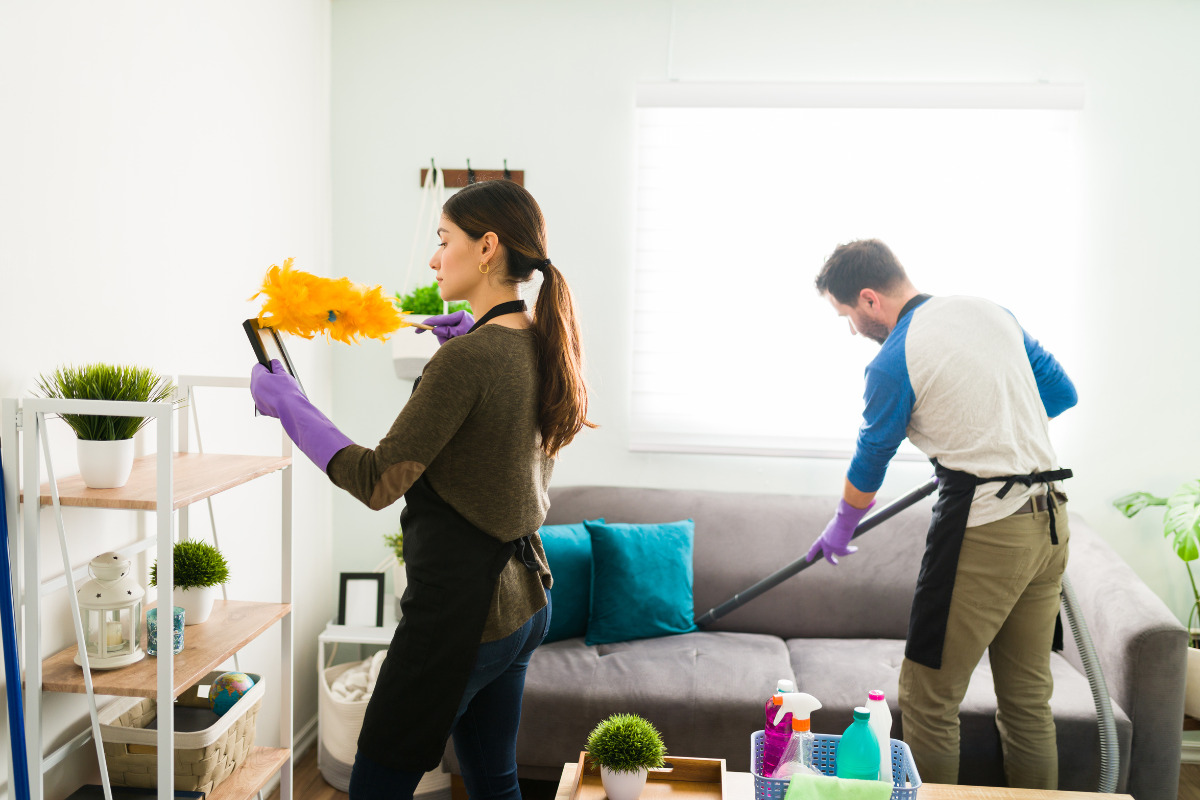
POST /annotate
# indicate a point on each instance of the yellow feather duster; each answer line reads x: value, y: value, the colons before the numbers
x: 305, y: 304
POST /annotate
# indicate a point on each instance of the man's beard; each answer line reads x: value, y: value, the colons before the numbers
x: 875, y: 331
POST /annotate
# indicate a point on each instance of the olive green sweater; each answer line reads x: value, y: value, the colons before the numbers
x: 471, y: 427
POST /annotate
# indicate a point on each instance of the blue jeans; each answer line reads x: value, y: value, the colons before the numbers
x: 485, y: 729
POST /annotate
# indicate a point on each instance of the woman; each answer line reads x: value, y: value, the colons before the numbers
x: 471, y: 452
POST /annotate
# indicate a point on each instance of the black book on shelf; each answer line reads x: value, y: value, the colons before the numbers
x: 96, y: 792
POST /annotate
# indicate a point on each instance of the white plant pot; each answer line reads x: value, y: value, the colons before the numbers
x: 623, y: 785
x: 1191, y: 695
x: 197, y: 602
x: 104, y: 465
x: 412, y: 351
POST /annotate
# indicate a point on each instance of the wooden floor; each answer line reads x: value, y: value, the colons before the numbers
x: 309, y: 785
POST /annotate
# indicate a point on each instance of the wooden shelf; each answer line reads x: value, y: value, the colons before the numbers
x: 196, y: 476
x: 232, y: 625
x: 252, y: 774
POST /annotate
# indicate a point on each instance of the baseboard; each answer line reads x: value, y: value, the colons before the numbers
x: 1189, y: 752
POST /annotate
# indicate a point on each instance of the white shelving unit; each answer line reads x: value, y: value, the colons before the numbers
x: 166, y: 483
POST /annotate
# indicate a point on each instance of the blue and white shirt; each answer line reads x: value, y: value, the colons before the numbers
x: 963, y: 381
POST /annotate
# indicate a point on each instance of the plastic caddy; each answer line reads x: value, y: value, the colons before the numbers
x: 905, y: 780
x: 207, y: 748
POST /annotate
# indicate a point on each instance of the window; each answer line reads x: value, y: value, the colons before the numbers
x: 742, y: 192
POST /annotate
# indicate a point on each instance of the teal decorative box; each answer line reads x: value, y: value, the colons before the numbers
x: 152, y: 631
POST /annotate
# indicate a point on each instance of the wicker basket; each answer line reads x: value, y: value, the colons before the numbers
x: 207, y: 748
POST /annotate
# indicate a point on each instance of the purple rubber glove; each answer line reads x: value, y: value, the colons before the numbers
x: 835, y: 541
x: 447, y: 326
x: 277, y: 394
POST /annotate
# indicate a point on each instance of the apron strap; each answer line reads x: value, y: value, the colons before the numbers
x: 526, y: 554
x: 1027, y: 480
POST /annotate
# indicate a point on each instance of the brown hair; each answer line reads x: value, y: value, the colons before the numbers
x: 863, y: 264
x: 509, y: 211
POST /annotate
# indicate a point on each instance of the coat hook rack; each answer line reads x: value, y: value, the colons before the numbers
x: 458, y: 178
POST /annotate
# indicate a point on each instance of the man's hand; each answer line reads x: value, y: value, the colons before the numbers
x: 447, y: 326
x: 835, y: 541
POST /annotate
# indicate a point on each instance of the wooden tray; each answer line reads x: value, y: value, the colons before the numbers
x: 681, y: 778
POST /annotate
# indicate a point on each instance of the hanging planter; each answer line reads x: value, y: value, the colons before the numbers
x: 105, y: 442
x: 411, y: 351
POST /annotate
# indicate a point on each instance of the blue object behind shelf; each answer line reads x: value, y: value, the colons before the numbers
x: 12, y: 663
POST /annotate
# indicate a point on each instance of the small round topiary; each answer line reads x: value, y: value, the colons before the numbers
x: 197, y: 564
x: 626, y: 743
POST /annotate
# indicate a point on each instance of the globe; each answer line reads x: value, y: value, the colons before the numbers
x: 227, y: 689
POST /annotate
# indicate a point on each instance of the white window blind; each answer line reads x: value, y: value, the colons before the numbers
x: 739, y: 202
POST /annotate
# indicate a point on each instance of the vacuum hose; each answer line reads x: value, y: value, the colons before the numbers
x: 1109, y: 753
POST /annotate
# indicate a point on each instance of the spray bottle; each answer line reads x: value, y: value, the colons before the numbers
x: 797, y: 756
x: 778, y: 729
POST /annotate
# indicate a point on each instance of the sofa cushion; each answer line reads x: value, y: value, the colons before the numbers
x: 680, y: 683
x: 743, y: 537
x: 840, y: 672
x: 641, y: 581
x: 569, y: 554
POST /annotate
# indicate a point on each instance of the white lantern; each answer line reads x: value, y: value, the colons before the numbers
x: 111, y: 608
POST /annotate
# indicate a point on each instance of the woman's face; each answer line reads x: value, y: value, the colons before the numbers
x: 456, y: 261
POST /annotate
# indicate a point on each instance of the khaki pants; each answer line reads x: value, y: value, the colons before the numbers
x: 1006, y: 597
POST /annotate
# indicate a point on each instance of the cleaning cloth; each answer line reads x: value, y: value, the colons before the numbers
x: 811, y: 787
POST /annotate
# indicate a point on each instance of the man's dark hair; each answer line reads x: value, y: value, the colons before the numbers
x: 863, y: 264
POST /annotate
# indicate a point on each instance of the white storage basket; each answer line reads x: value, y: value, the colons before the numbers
x: 341, y: 721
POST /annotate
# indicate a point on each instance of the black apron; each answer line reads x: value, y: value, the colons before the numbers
x: 452, y: 569
x: 935, y: 582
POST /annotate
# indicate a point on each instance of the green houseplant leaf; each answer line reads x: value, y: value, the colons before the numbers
x: 1181, y: 522
x: 1181, y: 525
x: 396, y: 542
x: 1131, y: 504
x: 106, y: 382
x: 626, y: 743
x: 426, y: 301
x: 197, y: 564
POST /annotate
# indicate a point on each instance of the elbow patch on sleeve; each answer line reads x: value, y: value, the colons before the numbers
x: 394, y: 482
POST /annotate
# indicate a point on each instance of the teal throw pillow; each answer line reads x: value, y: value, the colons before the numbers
x: 641, y: 581
x: 569, y: 553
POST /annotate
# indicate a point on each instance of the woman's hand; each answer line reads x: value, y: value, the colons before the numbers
x: 447, y: 326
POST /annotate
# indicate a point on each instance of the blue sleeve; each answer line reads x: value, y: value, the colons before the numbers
x: 1056, y: 390
x: 889, y: 403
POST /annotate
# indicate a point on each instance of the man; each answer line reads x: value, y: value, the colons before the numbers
x: 974, y: 392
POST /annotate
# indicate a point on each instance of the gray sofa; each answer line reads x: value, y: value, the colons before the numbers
x: 839, y: 632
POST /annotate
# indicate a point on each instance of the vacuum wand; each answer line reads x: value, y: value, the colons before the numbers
x: 774, y: 579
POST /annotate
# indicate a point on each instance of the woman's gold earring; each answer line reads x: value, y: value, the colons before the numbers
x: 484, y: 267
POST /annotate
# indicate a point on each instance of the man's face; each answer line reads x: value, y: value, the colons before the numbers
x: 862, y: 317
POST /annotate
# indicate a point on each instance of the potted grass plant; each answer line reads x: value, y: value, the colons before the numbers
x: 625, y: 747
x: 1181, y: 526
x: 105, y: 443
x: 200, y: 569
x: 395, y: 541
x: 410, y: 353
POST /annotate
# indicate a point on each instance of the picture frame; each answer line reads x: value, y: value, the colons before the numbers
x: 267, y: 344
x: 360, y: 599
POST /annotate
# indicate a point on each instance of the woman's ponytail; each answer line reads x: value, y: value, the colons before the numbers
x: 562, y: 396
x: 509, y: 211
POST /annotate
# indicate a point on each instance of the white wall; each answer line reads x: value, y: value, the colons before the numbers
x: 550, y: 87
x: 155, y: 159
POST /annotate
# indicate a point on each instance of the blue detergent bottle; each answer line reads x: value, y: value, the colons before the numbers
x: 858, y: 749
